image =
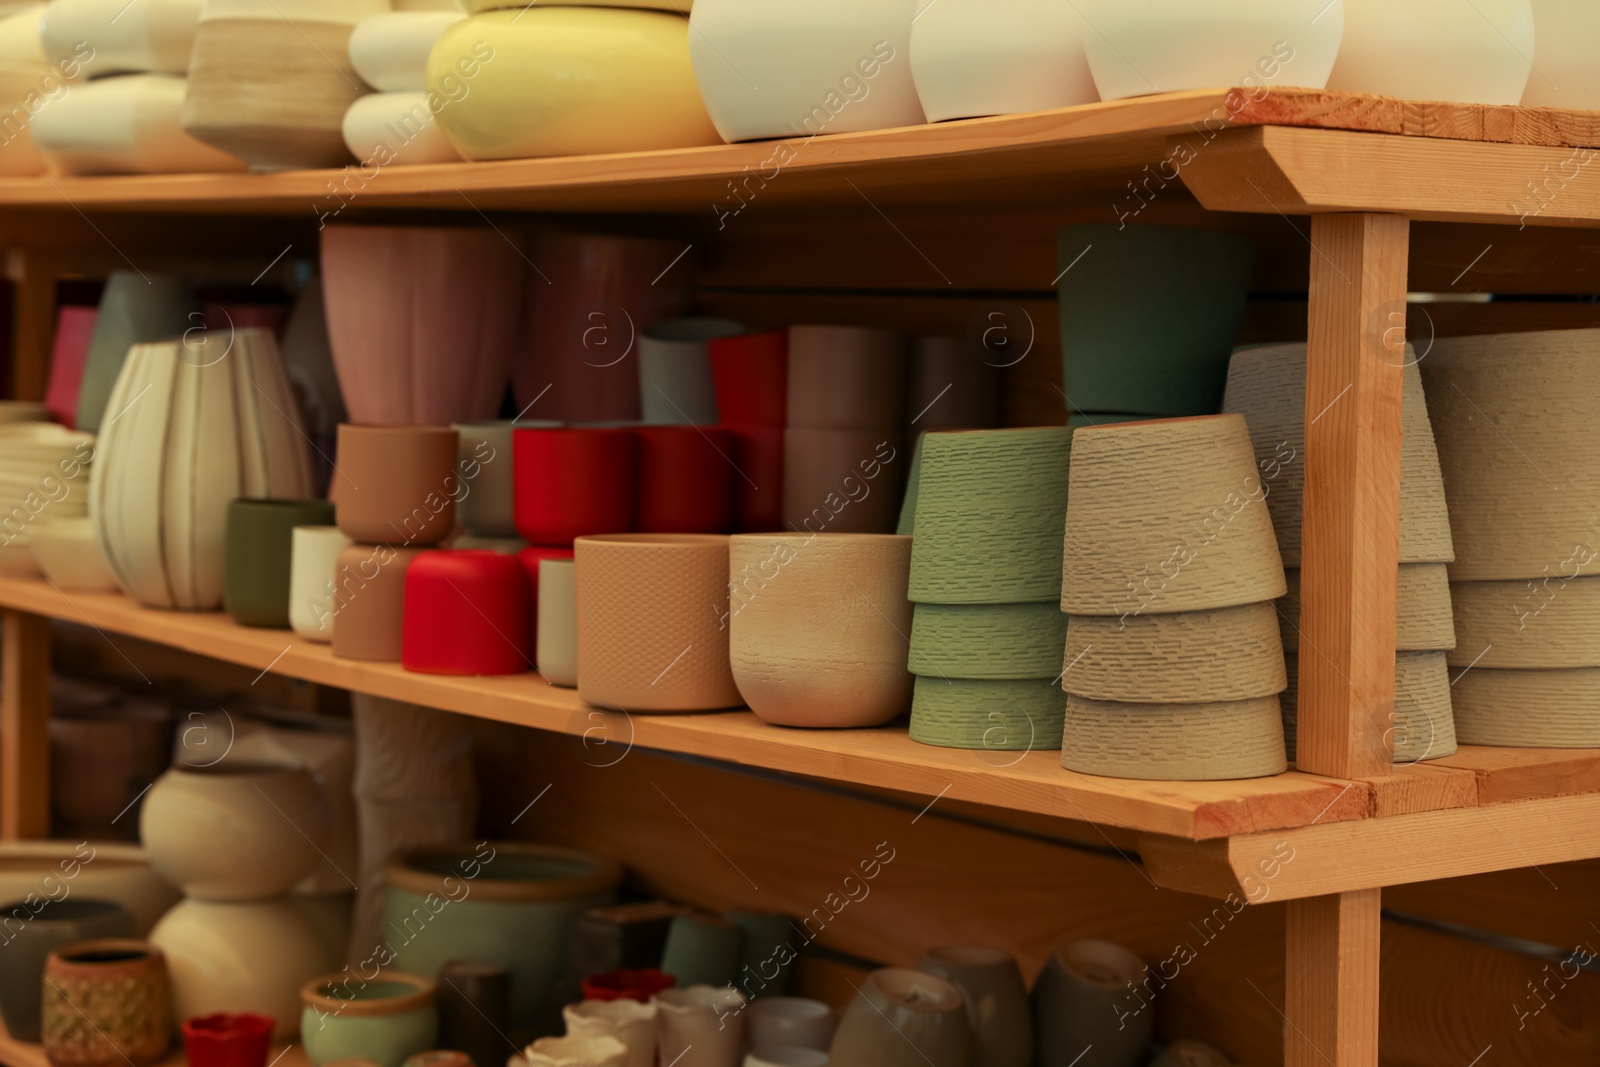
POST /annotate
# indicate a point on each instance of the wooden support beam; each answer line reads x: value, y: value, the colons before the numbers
x: 24, y: 726
x: 1331, y: 980
x: 33, y: 327
x: 1350, y: 544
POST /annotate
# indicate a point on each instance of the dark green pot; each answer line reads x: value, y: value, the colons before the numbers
x: 255, y: 588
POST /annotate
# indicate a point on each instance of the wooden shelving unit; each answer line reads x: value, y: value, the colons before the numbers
x: 1400, y: 197
x: 30, y: 1054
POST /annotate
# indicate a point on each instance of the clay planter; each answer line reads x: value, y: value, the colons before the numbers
x: 900, y: 1018
x: 996, y: 999
x: 1476, y: 55
x: 385, y: 1019
x: 222, y: 1039
x: 972, y: 58
x: 846, y: 378
x: 951, y: 386
x: 1181, y: 742
x: 991, y: 641
x: 572, y: 483
x: 1527, y: 708
x: 106, y: 1003
x: 258, y: 558
x: 313, y: 565
x: 369, y: 602
x: 1566, y: 34
x: 487, y: 507
x: 556, y: 630
x: 397, y: 485
x: 390, y: 51
x: 1081, y: 996
x: 466, y: 612
x: 156, y: 38
x: 999, y: 716
x: 675, y: 382
x: 134, y: 310
x: 751, y: 374
x: 686, y: 479
x: 35, y: 928
x: 422, y: 320
x: 1508, y: 625
x: 1188, y: 658
x: 842, y: 481
x: 817, y: 627
x: 652, y: 631
x: 128, y: 124
x: 103, y: 757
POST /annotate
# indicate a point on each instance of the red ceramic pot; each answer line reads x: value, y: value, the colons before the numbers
x: 758, y: 485
x: 572, y: 482
x: 638, y: 985
x: 466, y: 612
x: 74, y: 330
x: 751, y: 376
x: 686, y: 476
x: 224, y: 1040
x: 530, y: 558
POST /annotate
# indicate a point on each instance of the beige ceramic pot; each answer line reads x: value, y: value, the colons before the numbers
x: 1527, y: 709
x: 1423, y: 617
x: 127, y: 124
x: 147, y: 37
x: 628, y: 1021
x: 1181, y: 742
x: 818, y: 625
x: 1192, y: 657
x: 68, y: 553
x: 369, y: 598
x: 1424, y: 719
x: 90, y: 869
x: 1527, y: 625
x: 653, y: 622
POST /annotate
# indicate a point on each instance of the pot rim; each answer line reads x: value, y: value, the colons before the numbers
x: 421, y: 996
x: 606, y: 873
x: 69, y: 954
x: 654, y: 540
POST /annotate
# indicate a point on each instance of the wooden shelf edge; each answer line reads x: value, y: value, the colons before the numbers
x: 14, y: 1053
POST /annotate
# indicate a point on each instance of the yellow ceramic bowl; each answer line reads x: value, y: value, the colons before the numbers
x: 567, y: 81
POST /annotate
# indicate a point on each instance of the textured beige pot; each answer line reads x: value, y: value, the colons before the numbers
x: 1423, y: 621
x: 1181, y: 742
x: 1520, y: 625
x: 653, y: 622
x: 1189, y: 658
x: 1424, y: 720
x: 1528, y: 709
x: 818, y: 625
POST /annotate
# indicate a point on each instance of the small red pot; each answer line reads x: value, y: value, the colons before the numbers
x: 466, y: 612
x: 758, y: 486
x: 638, y: 985
x: 572, y: 482
x: 225, y: 1040
x: 751, y: 376
x: 686, y: 476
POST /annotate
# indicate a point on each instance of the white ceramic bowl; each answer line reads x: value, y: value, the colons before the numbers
x: 1159, y: 46
x: 151, y: 36
x: 1461, y: 51
x: 795, y: 68
x: 398, y: 127
x: 128, y: 124
x: 1566, y: 41
x: 390, y: 51
x: 999, y: 57
x: 69, y: 555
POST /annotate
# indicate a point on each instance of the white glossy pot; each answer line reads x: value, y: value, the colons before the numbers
x: 1159, y: 46
x: 796, y: 68
x: 1566, y: 41
x: 390, y: 51
x: 313, y: 562
x: 242, y: 957
x: 999, y: 57
x: 68, y: 553
x: 1461, y: 51
x: 398, y: 127
x: 128, y: 124
x: 235, y: 830
x: 58, y: 870
x: 191, y: 424
x: 148, y: 36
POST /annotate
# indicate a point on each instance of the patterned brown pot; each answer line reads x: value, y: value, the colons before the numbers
x: 106, y: 1004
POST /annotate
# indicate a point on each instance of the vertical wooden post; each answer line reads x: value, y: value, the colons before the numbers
x: 33, y: 326
x: 1350, y: 540
x: 1331, y: 981
x: 24, y: 726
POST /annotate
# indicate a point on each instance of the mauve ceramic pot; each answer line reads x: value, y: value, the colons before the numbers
x: 369, y: 602
x: 843, y: 481
x: 397, y: 485
x: 313, y: 565
x: 997, y: 1001
x: 573, y: 482
x: 106, y: 1003
x: 556, y: 633
x: 900, y: 1018
x: 486, y: 507
x: 675, y: 381
x: 751, y: 375
x: 1087, y: 995
x: 259, y: 555
x: 846, y: 378
x: 466, y: 612
x: 686, y: 478
x: 35, y: 928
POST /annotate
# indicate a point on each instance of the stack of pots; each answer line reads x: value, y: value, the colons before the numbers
x: 1267, y: 384
x: 843, y: 465
x: 751, y: 376
x: 1513, y: 428
x: 987, y: 632
x: 396, y: 123
x: 1173, y: 663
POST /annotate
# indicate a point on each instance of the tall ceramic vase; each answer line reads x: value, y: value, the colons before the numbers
x: 194, y: 423
x: 421, y: 320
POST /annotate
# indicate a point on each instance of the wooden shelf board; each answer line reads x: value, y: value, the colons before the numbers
x: 14, y: 1053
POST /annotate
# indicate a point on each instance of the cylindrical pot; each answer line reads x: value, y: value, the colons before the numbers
x: 790, y: 1022
x: 511, y: 904
x: 474, y: 1002
x: 466, y: 612
x: 817, y: 627
x: 835, y: 67
x: 700, y: 1026
x: 223, y: 1039
x: 234, y: 830
x: 134, y: 310
x: 675, y: 381
x: 638, y: 984
x: 107, y: 1002
x: 996, y: 999
x: 1476, y: 54
x: 1012, y: 715
x: 902, y: 1017
x: 1549, y: 708
x: 846, y: 378
x: 68, y: 553
x: 972, y: 58
x: 157, y: 37
x: 103, y: 758
x: 313, y: 565
x: 573, y: 482
x: 1207, y: 742
x: 1566, y: 34
x: 1087, y: 994
x: 369, y: 602
x: 1189, y: 657
x: 397, y: 485
x: 555, y: 650
x: 758, y: 491
x: 126, y: 124
x: 987, y: 641
x: 484, y: 457
x: 686, y: 476
x: 385, y: 1019
x: 702, y: 949
x: 390, y: 50
x: 99, y: 870
x: 34, y: 929
x: 652, y: 626
x: 769, y: 948
x: 532, y: 557
x: 601, y: 1051
x: 952, y: 387
x: 627, y: 1021
x: 842, y: 481
x: 396, y: 128
x: 259, y: 553
x: 751, y: 374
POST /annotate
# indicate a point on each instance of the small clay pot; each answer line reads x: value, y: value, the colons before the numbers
x: 106, y: 1003
x: 222, y: 1039
x: 397, y: 485
x: 369, y: 602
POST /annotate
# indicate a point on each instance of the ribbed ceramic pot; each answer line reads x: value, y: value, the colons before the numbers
x: 675, y: 383
x: 155, y: 37
x: 485, y: 465
x: 901, y: 1017
x: 1182, y: 742
x: 258, y: 557
x: 988, y: 517
x: 702, y: 949
x: 790, y: 1022
x: 126, y: 124
x: 1168, y: 45
x: 1527, y: 708
x: 1423, y: 617
x: 951, y: 386
x: 399, y: 128
x: 422, y: 320
x: 1527, y: 625
x: 1566, y: 33
x: 971, y: 58
x: 106, y: 1003
x: 513, y: 905
x: 817, y: 627
x: 1478, y: 52
x: 1117, y: 354
x: 996, y: 999
x: 556, y: 644
x: 195, y: 424
x: 313, y: 564
x: 369, y: 602
x: 1084, y: 996
x: 100, y: 870
x: 608, y: 80
x: 1424, y: 719
x: 1000, y: 716
x: 988, y: 641
x: 835, y: 67
x: 398, y: 485
x: 846, y: 378
x: 652, y: 626
x: 700, y: 1026
x: 35, y: 929
x: 1190, y: 657
x: 134, y: 310
x: 602, y: 1051
x: 842, y: 481
x: 390, y: 50
x: 385, y: 1019
x: 68, y: 554
x: 627, y: 1021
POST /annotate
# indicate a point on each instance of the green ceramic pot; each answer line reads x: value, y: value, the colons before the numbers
x: 256, y: 557
x: 1150, y: 316
x: 498, y: 902
x: 987, y: 641
x: 771, y: 943
x: 383, y: 1020
x: 702, y: 949
x: 134, y: 309
x: 1002, y: 716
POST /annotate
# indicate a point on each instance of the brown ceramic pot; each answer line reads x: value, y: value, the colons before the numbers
x: 396, y: 485
x: 843, y: 481
x: 846, y: 378
x: 106, y: 1004
x: 369, y: 600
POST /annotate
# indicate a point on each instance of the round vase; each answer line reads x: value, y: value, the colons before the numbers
x: 257, y: 559
x: 902, y: 1017
x: 1459, y: 51
x: 972, y: 58
x: 107, y: 1003
x: 33, y: 930
x: 384, y: 1020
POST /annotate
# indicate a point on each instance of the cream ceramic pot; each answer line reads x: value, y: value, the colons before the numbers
x: 998, y: 57
x: 128, y: 124
x: 390, y: 51
x: 68, y: 553
x: 701, y: 1026
x: 313, y: 563
x: 57, y: 870
x: 556, y: 644
x: 151, y: 36
x: 1566, y: 39
x: 1460, y: 51
x: 398, y: 127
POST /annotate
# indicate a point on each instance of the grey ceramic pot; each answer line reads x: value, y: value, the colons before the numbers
x: 997, y: 1001
x: 904, y: 1018
x: 1089, y: 997
x: 29, y: 931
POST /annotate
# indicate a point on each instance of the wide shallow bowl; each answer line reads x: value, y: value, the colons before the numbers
x: 979, y: 57
x: 998, y: 716
x: 1460, y: 51
x: 1180, y: 742
x: 1190, y: 657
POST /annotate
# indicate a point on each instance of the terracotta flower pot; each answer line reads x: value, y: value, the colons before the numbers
x: 107, y: 1003
x: 35, y: 929
x: 842, y: 481
x: 971, y: 58
x: 133, y: 310
x: 466, y: 612
x: 675, y: 381
x: 573, y: 482
x: 686, y: 479
x: 398, y: 485
x: 369, y: 602
x: 127, y: 124
x: 901, y: 1017
x: 1478, y: 53
x: 222, y: 1039
x: 260, y: 534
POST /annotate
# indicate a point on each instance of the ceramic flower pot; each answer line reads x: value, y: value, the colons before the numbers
x: 583, y: 321
x: 758, y: 493
x: 1190, y: 657
x: 998, y: 716
x: 971, y: 58
x: 385, y: 1020
x: 222, y: 1039
x: 702, y: 949
x: 1424, y: 621
x: 789, y: 1022
x: 651, y: 629
x: 1477, y: 52
x: 398, y: 485
x: 901, y: 1017
x: 99, y: 870
x: 842, y: 481
x: 532, y: 558
x: 257, y: 559
x: 103, y: 758
x: 951, y: 386
x: 34, y: 930
x: 987, y: 641
x: 516, y: 911
x: 421, y: 319
x: 1182, y: 742
x: 313, y: 564
x: 816, y: 627
x: 1166, y: 46
x: 700, y: 1026
x: 133, y: 310
x: 156, y: 38
x: 750, y: 373
x: 675, y: 381
x: 466, y: 612
x: 68, y: 553
x: 1424, y: 717
x: 1526, y: 708
x: 69, y: 350
x: 573, y: 482
x: 369, y: 602
x: 396, y: 129
x: 556, y: 644
x: 1507, y: 625
x: 846, y: 378
x: 639, y: 985
x: 484, y: 461
x: 627, y: 1021
x: 390, y: 51
x: 996, y: 1000
x: 837, y: 67
x: 474, y: 1004
x: 106, y: 1002
x: 1565, y: 33
x: 202, y: 421
x: 602, y: 1051
x: 686, y: 477
x: 1084, y: 996
x: 609, y: 80
x: 127, y: 124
